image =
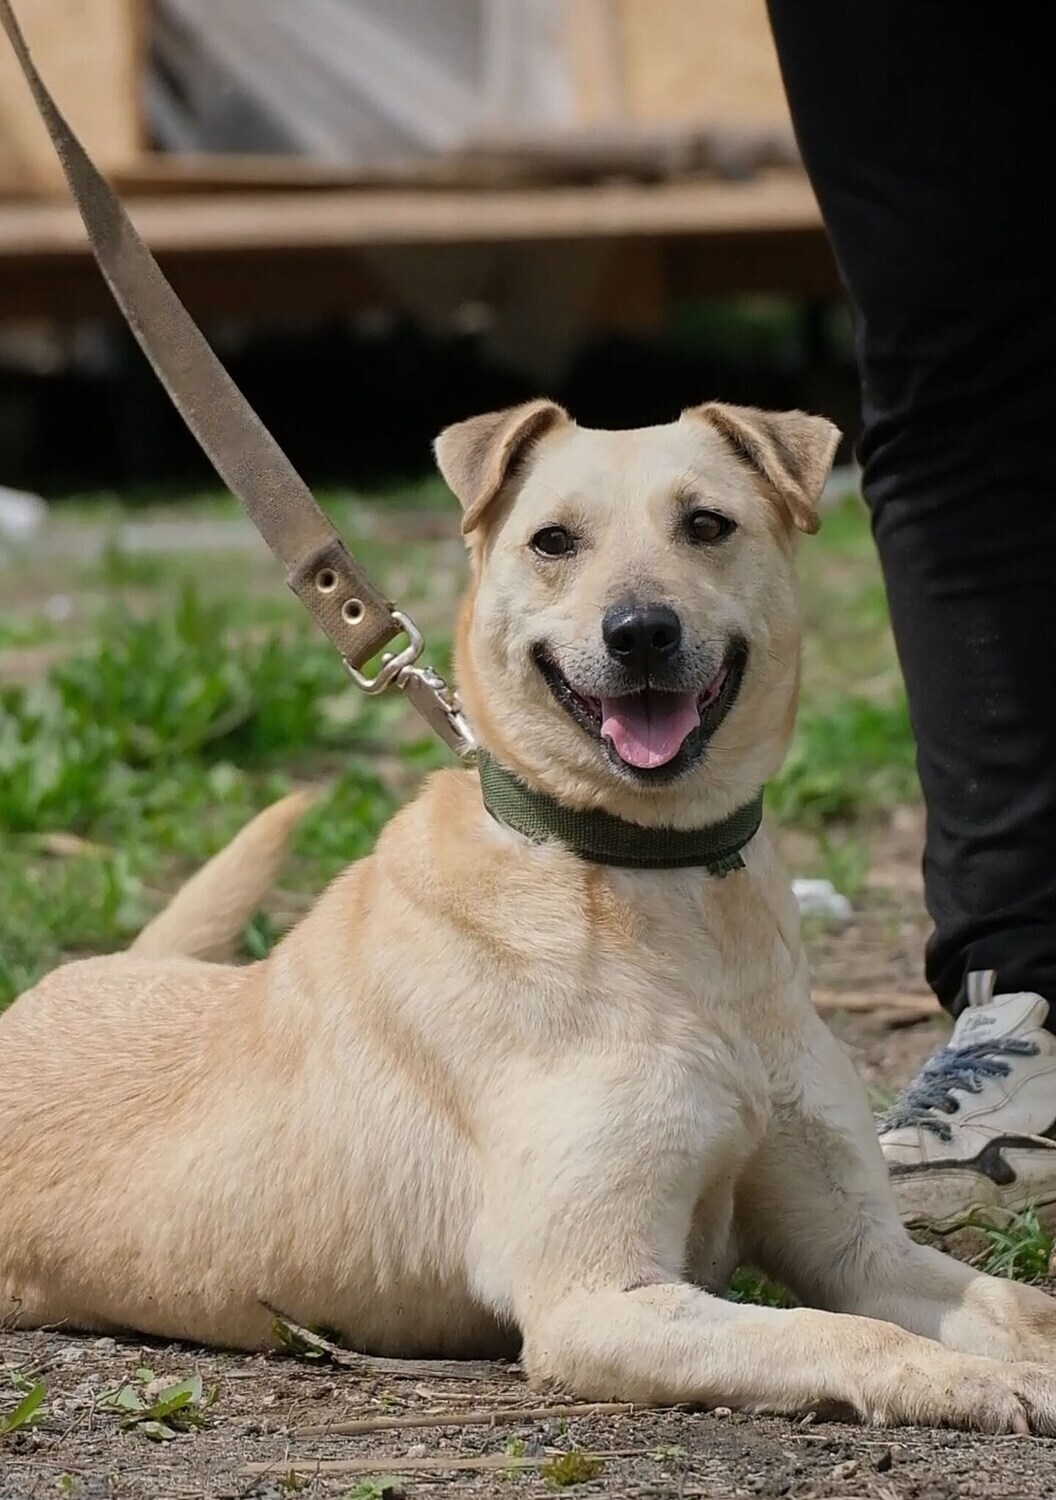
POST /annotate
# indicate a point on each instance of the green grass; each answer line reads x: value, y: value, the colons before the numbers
x: 749, y: 1285
x: 160, y: 1410
x: 1018, y: 1247
x: 27, y: 1410
x: 850, y: 756
x: 155, y: 743
x: 200, y: 692
x: 853, y: 753
x: 573, y: 1467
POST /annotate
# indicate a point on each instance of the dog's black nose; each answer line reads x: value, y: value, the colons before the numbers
x: 641, y: 636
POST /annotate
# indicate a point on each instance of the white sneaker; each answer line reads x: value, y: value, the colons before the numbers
x: 974, y: 1128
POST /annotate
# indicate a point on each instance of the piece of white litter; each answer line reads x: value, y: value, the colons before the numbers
x: 820, y: 898
x: 58, y: 606
x: 21, y: 514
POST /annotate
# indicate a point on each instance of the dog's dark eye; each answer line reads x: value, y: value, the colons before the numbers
x: 553, y: 541
x: 708, y: 526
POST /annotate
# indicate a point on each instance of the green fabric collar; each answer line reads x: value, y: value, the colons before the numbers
x: 608, y: 840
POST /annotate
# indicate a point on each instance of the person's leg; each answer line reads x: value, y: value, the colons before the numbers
x: 926, y: 131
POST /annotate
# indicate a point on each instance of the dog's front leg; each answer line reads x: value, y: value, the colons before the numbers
x: 816, y: 1210
x: 671, y: 1343
x: 592, y: 1175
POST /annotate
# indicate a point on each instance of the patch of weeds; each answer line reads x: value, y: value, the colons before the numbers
x: 845, y: 533
x: 120, y: 568
x: 159, y: 1411
x: 304, y: 1344
x: 749, y: 1285
x: 571, y: 1468
x: 1019, y: 1248
x: 19, y: 630
x: 845, y: 861
x: 28, y: 1411
x: 670, y: 1453
x: 383, y: 1488
x: 422, y: 492
x: 50, y: 907
x: 849, y: 756
x: 515, y: 1448
x: 155, y: 746
x: 314, y: 1345
x: 260, y: 936
x: 174, y: 685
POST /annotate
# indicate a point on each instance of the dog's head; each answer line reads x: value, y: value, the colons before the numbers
x: 630, y: 639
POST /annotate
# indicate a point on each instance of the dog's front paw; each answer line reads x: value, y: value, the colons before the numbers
x: 984, y: 1395
x: 1004, y: 1320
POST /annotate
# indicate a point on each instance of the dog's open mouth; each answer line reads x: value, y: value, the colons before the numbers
x: 654, y: 731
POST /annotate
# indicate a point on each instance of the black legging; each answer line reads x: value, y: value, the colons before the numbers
x: 928, y: 132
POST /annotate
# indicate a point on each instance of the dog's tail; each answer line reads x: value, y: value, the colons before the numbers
x: 207, y: 916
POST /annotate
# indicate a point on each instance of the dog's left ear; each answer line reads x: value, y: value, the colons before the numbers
x: 477, y: 457
x: 790, y: 450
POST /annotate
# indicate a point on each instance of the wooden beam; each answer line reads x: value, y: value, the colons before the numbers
x: 301, y: 220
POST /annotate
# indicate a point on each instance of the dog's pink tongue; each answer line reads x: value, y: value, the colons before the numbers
x: 648, y: 729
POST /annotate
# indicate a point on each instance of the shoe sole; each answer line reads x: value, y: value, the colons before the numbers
x: 986, y: 1197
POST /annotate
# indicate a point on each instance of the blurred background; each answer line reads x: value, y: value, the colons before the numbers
x: 387, y: 215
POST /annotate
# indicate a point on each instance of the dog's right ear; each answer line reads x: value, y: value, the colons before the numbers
x: 477, y: 457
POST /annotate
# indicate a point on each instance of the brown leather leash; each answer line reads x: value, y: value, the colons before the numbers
x: 320, y: 569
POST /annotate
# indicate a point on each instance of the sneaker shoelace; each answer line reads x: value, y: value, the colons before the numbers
x: 964, y: 1069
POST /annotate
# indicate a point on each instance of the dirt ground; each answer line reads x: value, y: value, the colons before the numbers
x: 256, y: 1444
x: 268, y: 1433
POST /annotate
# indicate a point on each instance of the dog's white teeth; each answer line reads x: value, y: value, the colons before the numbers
x: 714, y: 688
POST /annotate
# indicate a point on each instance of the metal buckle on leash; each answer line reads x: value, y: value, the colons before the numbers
x: 427, y: 691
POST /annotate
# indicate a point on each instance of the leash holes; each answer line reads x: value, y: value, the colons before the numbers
x: 352, y: 611
x: 326, y: 580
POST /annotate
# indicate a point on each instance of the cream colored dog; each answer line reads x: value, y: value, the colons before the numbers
x: 491, y: 1096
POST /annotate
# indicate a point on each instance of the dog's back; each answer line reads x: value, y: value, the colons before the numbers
x: 173, y: 975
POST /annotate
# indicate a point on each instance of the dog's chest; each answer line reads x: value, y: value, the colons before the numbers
x: 717, y: 948
x: 696, y: 989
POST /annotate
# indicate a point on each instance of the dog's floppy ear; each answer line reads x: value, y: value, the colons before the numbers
x: 476, y: 457
x: 790, y: 450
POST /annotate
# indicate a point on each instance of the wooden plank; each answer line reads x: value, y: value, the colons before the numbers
x: 593, y: 44
x: 252, y: 221
x: 89, y: 52
x: 700, y: 60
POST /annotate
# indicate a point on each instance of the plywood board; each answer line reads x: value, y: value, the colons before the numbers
x: 678, y: 60
x: 88, y: 52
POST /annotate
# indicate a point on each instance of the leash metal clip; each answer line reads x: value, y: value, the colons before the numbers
x: 427, y: 691
x: 393, y: 662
